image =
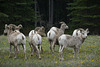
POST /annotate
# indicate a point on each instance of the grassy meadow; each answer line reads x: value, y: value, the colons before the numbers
x: 89, y: 55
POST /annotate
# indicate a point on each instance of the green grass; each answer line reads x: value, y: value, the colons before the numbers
x: 89, y: 55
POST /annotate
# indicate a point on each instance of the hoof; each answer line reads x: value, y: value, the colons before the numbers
x: 9, y: 56
x: 14, y: 57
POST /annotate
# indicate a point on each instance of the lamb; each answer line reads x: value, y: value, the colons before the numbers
x: 54, y: 33
x: 15, y: 39
x: 71, y: 41
x: 35, y: 41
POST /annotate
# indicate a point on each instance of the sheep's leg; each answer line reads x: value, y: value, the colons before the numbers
x: 53, y: 45
x: 61, y: 52
x: 78, y: 53
x: 25, y: 51
x: 16, y: 51
x: 40, y: 48
x: 74, y: 52
x: 18, y: 48
x: 10, y: 51
x: 38, y: 52
x: 31, y: 48
x: 50, y: 45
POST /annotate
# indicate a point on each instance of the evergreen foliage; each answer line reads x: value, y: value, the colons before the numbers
x: 85, y: 13
x: 76, y: 13
x: 16, y: 12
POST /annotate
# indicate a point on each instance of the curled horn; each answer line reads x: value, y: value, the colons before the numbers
x: 20, y: 26
x: 87, y: 30
x: 12, y: 26
x: 62, y: 22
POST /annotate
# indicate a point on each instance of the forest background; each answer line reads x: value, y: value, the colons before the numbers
x: 34, y: 13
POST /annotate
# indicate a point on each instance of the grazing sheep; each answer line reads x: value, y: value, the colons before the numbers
x: 35, y: 41
x: 71, y: 41
x: 54, y: 33
x: 15, y: 39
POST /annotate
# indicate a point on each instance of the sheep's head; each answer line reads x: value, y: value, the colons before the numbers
x: 84, y: 33
x: 12, y: 26
x: 7, y: 28
x: 41, y: 31
x: 63, y: 25
x: 37, y: 28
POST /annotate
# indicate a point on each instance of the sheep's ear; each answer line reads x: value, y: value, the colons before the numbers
x: 62, y: 22
x: 87, y: 30
x: 6, y: 25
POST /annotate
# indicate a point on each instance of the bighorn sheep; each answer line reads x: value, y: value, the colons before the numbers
x: 54, y: 33
x: 17, y: 28
x: 15, y: 39
x: 76, y: 33
x: 35, y: 41
x: 41, y: 31
x: 71, y: 41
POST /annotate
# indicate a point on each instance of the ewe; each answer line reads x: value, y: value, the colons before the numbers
x: 54, y: 33
x: 35, y: 41
x: 71, y: 41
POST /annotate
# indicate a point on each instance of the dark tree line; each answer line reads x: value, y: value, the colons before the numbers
x: 76, y: 13
x: 85, y: 14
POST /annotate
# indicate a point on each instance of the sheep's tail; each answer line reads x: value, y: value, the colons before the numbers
x: 22, y: 37
x: 49, y: 34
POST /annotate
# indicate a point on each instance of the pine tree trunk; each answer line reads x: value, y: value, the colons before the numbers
x: 35, y: 13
